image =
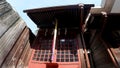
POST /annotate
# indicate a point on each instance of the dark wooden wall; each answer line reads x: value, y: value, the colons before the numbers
x: 103, y: 40
x: 99, y: 51
x: 14, y: 38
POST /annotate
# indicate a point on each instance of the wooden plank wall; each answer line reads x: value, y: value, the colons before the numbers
x: 99, y: 51
x: 115, y: 48
x: 14, y: 38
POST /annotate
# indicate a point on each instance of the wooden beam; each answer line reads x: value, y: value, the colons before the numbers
x: 81, y: 16
x: 85, y: 51
x: 107, y: 7
x: 86, y: 22
x: 104, y: 21
x: 111, y: 53
x: 82, y: 56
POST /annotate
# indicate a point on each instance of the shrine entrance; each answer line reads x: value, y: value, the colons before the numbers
x: 66, y: 52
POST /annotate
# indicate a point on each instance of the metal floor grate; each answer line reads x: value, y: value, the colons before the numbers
x: 67, y: 51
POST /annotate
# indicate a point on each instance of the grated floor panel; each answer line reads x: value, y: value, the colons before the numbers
x: 66, y: 51
x: 43, y: 51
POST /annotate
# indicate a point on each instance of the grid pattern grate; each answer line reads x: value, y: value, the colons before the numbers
x: 43, y: 51
x: 67, y: 51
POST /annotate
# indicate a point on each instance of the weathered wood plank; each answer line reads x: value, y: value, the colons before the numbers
x: 22, y: 43
x: 17, y: 49
x: 14, y: 37
x: 116, y: 53
x: 113, y: 54
x: 8, y: 21
x: 106, y: 66
x: 85, y: 52
x: 28, y: 59
x: 93, y: 32
x: 95, y: 43
x: 4, y: 7
x: 9, y: 38
x: 27, y: 52
x: 2, y: 0
x: 7, y: 14
x: 24, y: 56
x: 104, y: 55
x: 100, y: 53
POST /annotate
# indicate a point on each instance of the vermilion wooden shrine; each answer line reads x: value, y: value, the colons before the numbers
x: 59, y: 40
x: 69, y: 37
